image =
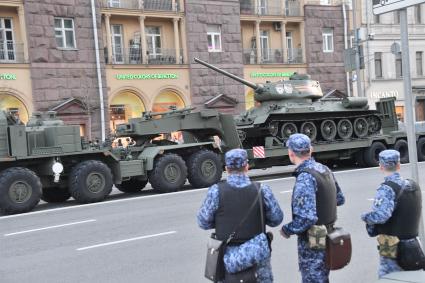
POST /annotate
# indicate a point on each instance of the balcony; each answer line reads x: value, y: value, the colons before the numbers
x: 133, y: 56
x: 11, y: 52
x: 147, y: 5
x: 291, y: 8
x: 273, y: 56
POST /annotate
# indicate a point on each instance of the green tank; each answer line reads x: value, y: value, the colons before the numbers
x: 297, y: 105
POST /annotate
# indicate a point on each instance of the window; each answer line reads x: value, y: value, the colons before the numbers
x: 399, y: 111
x: 7, y: 44
x: 290, y: 46
x: 214, y: 38
x: 153, y: 38
x: 114, y: 3
x: 397, y: 17
x: 419, y: 64
x: 117, y: 44
x: 418, y: 16
x: 378, y: 65
x: 262, y: 7
x: 264, y: 42
x: 325, y: 2
x: 377, y: 19
x: 64, y: 33
x: 328, y: 39
x: 398, y: 66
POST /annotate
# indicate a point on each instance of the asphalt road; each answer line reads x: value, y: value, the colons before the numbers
x: 155, y: 238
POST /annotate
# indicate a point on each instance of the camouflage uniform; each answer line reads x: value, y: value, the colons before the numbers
x: 257, y: 247
x: 383, y: 206
x: 311, y: 262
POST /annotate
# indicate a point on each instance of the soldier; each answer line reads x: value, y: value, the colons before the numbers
x: 226, y: 204
x: 394, y: 216
x: 315, y: 197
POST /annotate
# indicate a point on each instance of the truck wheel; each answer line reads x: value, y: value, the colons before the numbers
x: 169, y: 173
x: 90, y: 181
x: 401, y: 146
x: 20, y: 190
x: 421, y: 149
x: 55, y: 195
x: 359, y: 158
x: 371, y: 154
x: 132, y: 186
x: 204, y: 168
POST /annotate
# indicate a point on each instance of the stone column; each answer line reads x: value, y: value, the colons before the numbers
x: 23, y: 29
x: 257, y: 40
x: 143, y: 39
x: 176, y: 40
x: 302, y: 35
x: 284, y: 47
x: 183, y: 39
x: 108, y: 37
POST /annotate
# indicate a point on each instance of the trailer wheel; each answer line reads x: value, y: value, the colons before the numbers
x: 20, y: 190
x: 421, y: 149
x: 371, y: 154
x: 55, y: 195
x: 402, y: 147
x: 132, y: 186
x: 169, y: 173
x: 204, y: 168
x: 90, y: 181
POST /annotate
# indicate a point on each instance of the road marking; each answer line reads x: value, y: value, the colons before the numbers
x: 286, y: 192
x: 159, y: 195
x: 49, y: 227
x: 126, y: 240
x: 370, y: 199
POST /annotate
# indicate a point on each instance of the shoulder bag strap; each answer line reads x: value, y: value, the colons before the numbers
x: 260, y: 199
x: 232, y: 235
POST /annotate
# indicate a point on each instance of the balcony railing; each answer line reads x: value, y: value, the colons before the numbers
x: 133, y: 56
x: 271, y: 8
x: 148, y: 5
x: 273, y: 56
x: 11, y: 52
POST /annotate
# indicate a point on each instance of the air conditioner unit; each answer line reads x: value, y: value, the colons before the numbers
x: 277, y: 26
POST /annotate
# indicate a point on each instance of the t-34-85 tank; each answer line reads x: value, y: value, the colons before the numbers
x: 296, y: 105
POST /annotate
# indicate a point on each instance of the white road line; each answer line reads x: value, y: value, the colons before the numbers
x: 49, y: 227
x: 370, y: 199
x: 156, y: 196
x: 126, y: 240
x: 286, y: 192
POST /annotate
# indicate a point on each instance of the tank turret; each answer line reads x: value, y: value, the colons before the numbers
x: 297, y: 105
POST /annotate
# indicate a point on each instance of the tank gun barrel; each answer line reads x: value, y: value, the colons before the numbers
x: 227, y: 74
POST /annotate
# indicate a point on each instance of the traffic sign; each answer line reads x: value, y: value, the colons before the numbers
x: 385, y: 6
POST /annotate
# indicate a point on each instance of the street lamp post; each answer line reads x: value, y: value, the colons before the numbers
x: 357, y: 49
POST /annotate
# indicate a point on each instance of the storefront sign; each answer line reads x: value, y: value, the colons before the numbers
x: 146, y: 76
x: 8, y: 77
x: 383, y: 94
x: 271, y: 75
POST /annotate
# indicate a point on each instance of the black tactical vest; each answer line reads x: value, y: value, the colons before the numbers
x: 233, y: 206
x: 325, y: 196
x: 404, y: 222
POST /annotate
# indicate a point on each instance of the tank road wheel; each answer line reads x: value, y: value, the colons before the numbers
x: 204, y: 168
x: 90, y: 181
x: 169, y: 173
x: 345, y: 129
x: 361, y: 127
x: 274, y: 128
x: 328, y: 130
x: 374, y: 124
x: 401, y: 146
x: 55, y: 194
x: 421, y: 149
x: 20, y: 190
x: 371, y: 154
x: 287, y: 130
x: 309, y: 129
x: 132, y: 186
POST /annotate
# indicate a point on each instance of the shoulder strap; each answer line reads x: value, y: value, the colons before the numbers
x: 396, y: 189
x: 232, y: 235
x: 260, y: 199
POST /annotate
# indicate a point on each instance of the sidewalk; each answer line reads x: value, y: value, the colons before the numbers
x: 404, y: 276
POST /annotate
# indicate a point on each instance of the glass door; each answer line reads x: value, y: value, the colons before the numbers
x: 153, y: 39
x: 117, y: 44
x: 290, y: 46
x: 7, y: 44
x: 264, y: 41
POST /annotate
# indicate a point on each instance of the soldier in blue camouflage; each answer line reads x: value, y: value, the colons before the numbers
x: 255, y: 251
x: 304, y: 215
x: 384, y: 203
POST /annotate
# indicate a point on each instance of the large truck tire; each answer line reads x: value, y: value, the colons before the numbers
x: 204, y: 168
x: 402, y: 147
x: 132, y: 186
x: 20, y: 190
x: 371, y: 154
x: 90, y: 181
x: 359, y: 158
x: 421, y: 149
x: 55, y: 194
x: 169, y: 173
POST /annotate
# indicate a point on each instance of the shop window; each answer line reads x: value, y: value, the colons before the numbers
x: 82, y: 130
x: 399, y: 110
x: 328, y: 39
x: 64, y: 33
x: 13, y: 105
x: 214, y: 38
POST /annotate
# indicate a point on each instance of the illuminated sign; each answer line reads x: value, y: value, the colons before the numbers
x: 8, y: 77
x: 271, y: 75
x: 383, y: 94
x: 146, y: 76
